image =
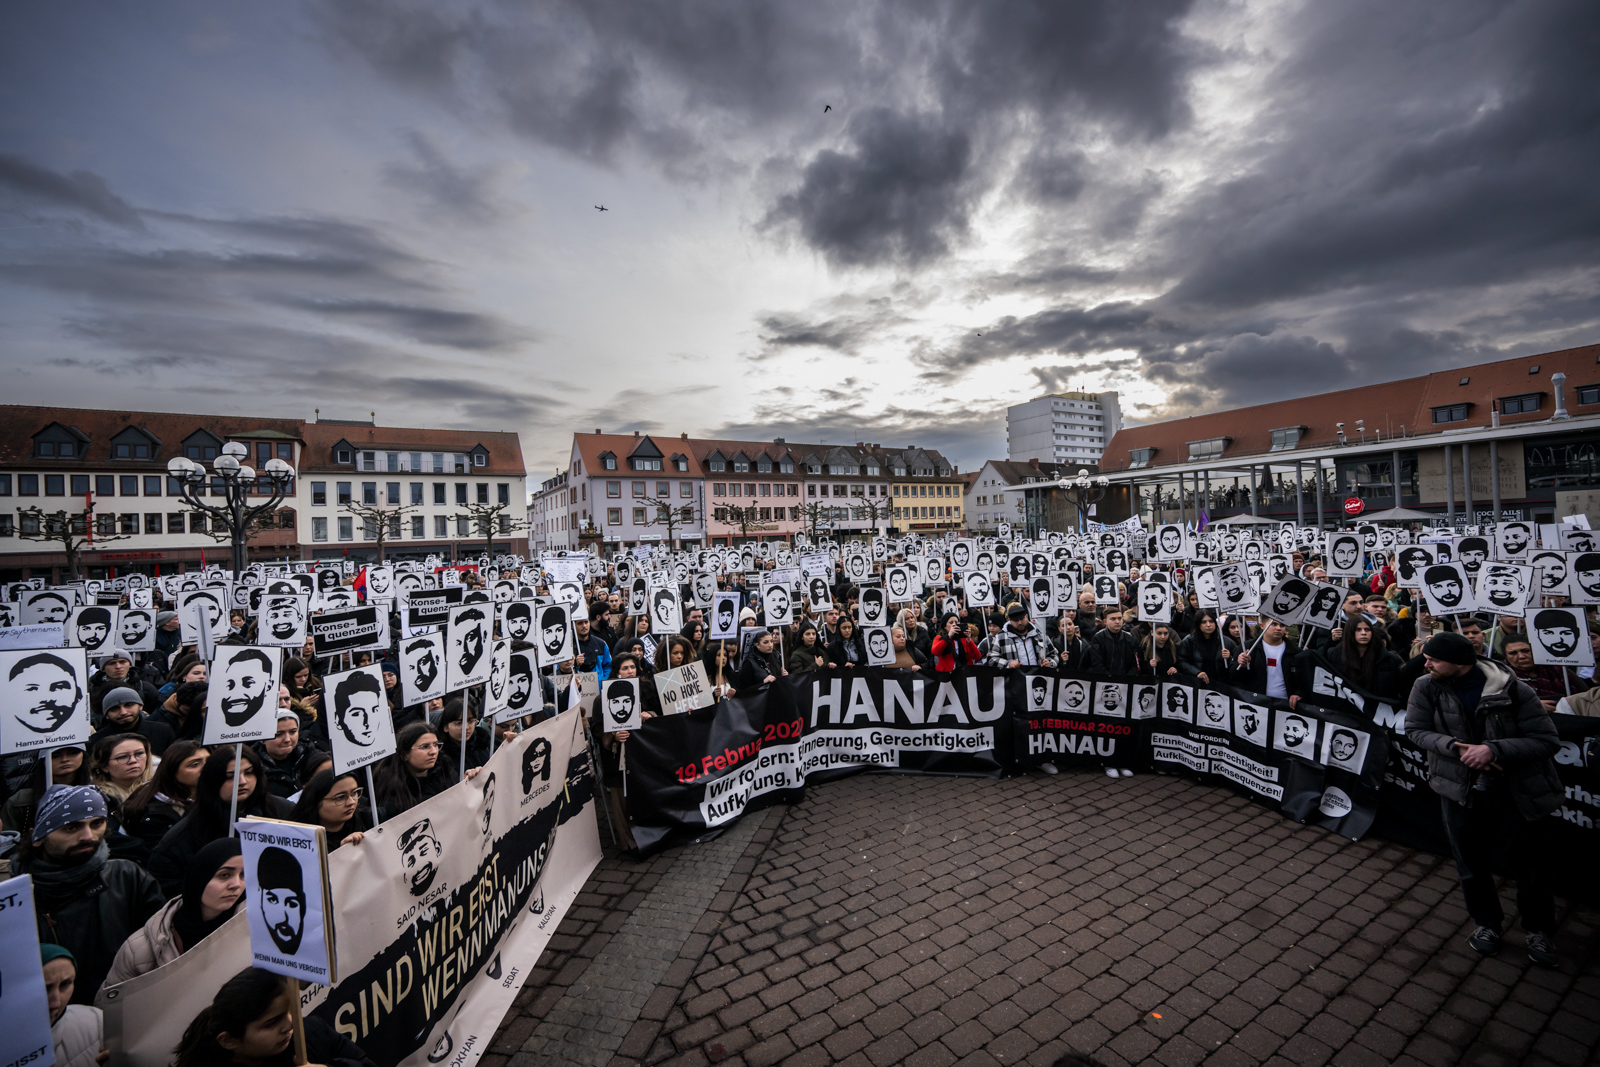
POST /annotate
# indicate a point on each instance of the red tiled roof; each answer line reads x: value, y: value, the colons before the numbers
x: 1385, y: 407
x: 19, y: 424
x: 590, y: 446
x: 505, y: 449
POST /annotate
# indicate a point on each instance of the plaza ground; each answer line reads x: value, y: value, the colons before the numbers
x: 937, y: 921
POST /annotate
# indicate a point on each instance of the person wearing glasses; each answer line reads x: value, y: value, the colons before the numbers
x: 121, y: 764
x: 337, y: 804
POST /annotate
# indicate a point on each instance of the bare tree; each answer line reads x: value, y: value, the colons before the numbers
x: 72, y: 530
x: 490, y: 521
x: 380, y: 523
x: 662, y: 512
x: 738, y: 515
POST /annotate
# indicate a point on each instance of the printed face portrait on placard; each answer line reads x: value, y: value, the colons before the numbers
x: 408, y: 582
x: 870, y: 608
x: 1039, y: 687
x: 198, y: 603
x: 1177, y: 702
x: 778, y: 605
x: 359, y: 710
x: 725, y: 617
x: 1111, y: 698
x: 1105, y: 590
x: 136, y: 629
x: 1473, y: 552
x: 420, y: 853
x: 817, y: 590
x: 43, y: 609
x: 1585, y: 583
x: 665, y: 614
x: 620, y: 698
x: 1250, y: 722
x: 242, y: 699
x: 380, y: 583
x: 1234, y: 592
x: 328, y: 578
x: 1345, y: 747
x: 1205, y: 587
x: 1287, y: 600
x: 1155, y: 602
x: 1552, y: 571
x: 1325, y: 607
x: 1169, y: 541
x: 520, y: 684
x: 1512, y: 540
x: 555, y: 642
x: 467, y: 647
x: 1344, y: 556
x: 1072, y: 696
x: 90, y: 628
x: 978, y: 589
x: 497, y: 688
x: 1560, y: 638
x: 880, y: 646
x: 283, y: 621
x: 1444, y: 586
x: 1295, y: 733
x: 1213, y: 710
x: 898, y: 581
x: 422, y: 668
x: 704, y: 586
x: 1410, y: 562
x: 281, y: 898
x: 45, y: 698
x: 516, y: 620
x: 1146, y: 698
x: 1503, y: 587
x: 961, y: 555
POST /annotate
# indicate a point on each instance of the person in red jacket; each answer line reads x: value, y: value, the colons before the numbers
x: 952, y: 648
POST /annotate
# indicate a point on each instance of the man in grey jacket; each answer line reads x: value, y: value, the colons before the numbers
x: 1490, y: 745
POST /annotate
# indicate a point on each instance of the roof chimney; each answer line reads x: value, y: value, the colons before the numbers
x: 1558, y: 382
x: 1034, y: 462
x: 636, y: 433
x: 597, y: 429
x: 684, y: 436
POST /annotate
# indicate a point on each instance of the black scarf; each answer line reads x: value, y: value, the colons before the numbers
x: 58, y: 884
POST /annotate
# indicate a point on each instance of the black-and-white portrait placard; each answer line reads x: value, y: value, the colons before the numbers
x: 1072, y: 696
x: 91, y: 629
x: 359, y: 722
x: 1111, y: 699
x: 1560, y: 637
x: 1410, y: 562
x: 195, y: 602
x: 1295, y: 734
x: 1205, y: 587
x: 422, y: 668
x: 281, y: 623
x: 1345, y: 747
x: 516, y: 619
x: 45, y: 699
x: 1513, y: 540
x: 1583, y: 585
x: 1447, y: 589
x: 1289, y: 600
x: 1324, y: 611
x: 898, y: 583
x: 666, y: 610
x: 1105, y: 591
x: 1251, y: 722
x: 1145, y: 700
x: 1343, y: 557
x: 46, y: 607
x: 1552, y: 568
x: 1177, y: 702
x: 497, y: 691
x: 1040, y: 689
x: 879, y: 643
x: 1172, y: 543
x: 242, y: 695
x: 977, y: 589
x: 724, y: 617
x: 1236, y: 591
x: 1505, y: 588
x: 380, y: 583
x: 1154, y: 601
x: 523, y: 696
x: 287, y: 899
x: 467, y: 639
x: 623, y: 708
x: 358, y: 629
x: 872, y: 607
x: 777, y: 604
x: 1215, y: 710
x: 8, y: 614
x: 553, y: 635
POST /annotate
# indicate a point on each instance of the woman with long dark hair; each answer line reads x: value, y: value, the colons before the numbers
x: 673, y: 652
x: 207, y: 820
x: 809, y: 652
x: 67, y: 767
x: 847, y: 650
x: 760, y: 665
x: 250, y: 1023
x: 1207, y: 653
x: 156, y: 806
x: 1365, y: 658
x: 1161, y: 651
x: 419, y: 769
x: 334, y: 802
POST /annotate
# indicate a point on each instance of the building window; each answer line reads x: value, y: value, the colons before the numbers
x: 719, y: 465
x: 105, y: 485
x: 128, y: 522
x: 441, y: 526
x: 613, y: 516
x: 55, y: 485
x: 343, y: 489
x: 504, y: 491
x: 1450, y: 413
x: 1210, y: 448
x: 175, y: 524
x: 638, y: 490
x: 1589, y: 394
x: 393, y: 461
x: 483, y: 492
x: 461, y: 493
x: 685, y: 490
x: 638, y: 516
x: 740, y: 465
x: 608, y: 462
x: 419, y: 527
x: 461, y: 527
x: 80, y: 484
x: 129, y: 451
x: 369, y: 493
x: 679, y: 463
x: 347, y: 528
x: 439, y: 493
x: 369, y: 461
x: 5, y: 485
x: 341, y: 456
x: 152, y: 485
x: 1285, y: 439
x: 1520, y: 405
x: 152, y: 522
x: 416, y: 493
x: 811, y: 490
x: 392, y: 492
x: 641, y: 463
x: 479, y: 459
x: 461, y: 463
x: 319, y: 528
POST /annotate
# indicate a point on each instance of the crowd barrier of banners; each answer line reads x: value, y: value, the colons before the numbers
x: 1341, y: 763
x: 441, y: 912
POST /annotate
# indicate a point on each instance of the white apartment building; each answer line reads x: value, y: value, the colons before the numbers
x: 1071, y: 428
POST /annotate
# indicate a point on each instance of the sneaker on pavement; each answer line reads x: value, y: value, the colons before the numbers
x: 1049, y: 768
x: 1111, y: 772
x: 1485, y: 941
x: 1126, y: 773
x: 1539, y: 950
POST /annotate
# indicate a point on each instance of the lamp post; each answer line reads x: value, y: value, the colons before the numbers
x: 236, y: 514
x: 1084, y: 492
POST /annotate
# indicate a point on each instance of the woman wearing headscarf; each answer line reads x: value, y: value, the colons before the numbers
x: 212, y: 888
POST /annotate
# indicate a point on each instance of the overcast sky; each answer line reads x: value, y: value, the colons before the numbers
x: 269, y: 208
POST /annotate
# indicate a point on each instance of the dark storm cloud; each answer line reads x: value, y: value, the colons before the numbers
x: 79, y: 191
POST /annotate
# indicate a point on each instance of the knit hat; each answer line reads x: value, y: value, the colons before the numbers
x: 63, y: 804
x: 747, y: 615
x: 390, y: 667
x: 114, y: 655
x: 164, y: 617
x: 48, y: 952
x: 120, y: 695
x: 1451, y: 648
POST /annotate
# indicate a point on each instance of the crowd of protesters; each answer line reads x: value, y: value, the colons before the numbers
x: 132, y: 861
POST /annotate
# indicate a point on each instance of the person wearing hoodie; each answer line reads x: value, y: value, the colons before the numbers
x: 1491, y: 748
x: 212, y: 888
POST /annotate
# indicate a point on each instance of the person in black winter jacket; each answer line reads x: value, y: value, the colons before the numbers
x: 760, y: 664
x: 249, y: 1024
x: 207, y: 819
x: 1113, y: 650
x: 122, y: 712
x: 116, y: 672
x: 84, y: 900
x: 1206, y: 653
x: 1491, y: 748
x: 1267, y: 667
x: 283, y: 755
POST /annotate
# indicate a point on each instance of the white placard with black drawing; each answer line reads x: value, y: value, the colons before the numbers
x: 136, y: 629
x: 45, y: 702
x: 191, y: 604
x: 1560, y: 637
x: 90, y: 629
x: 359, y: 723
x: 467, y: 638
x: 724, y: 617
x: 623, y: 708
x: 242, y: 695
x: 879, y: 642
x: 1447, y: 589
x: 422, y: 668
x: 777, y: 605
x: 281, y: 622
x: 497, y: 690
x: 553, y: 635
x: 287, y: 900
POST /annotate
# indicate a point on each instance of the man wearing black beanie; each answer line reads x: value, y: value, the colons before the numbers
x: 1490, y: 745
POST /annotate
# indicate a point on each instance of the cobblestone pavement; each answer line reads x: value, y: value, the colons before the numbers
x: 933, y: 921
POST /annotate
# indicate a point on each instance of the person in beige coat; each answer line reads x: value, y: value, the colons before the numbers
x: 212, y: 889
x: 76, y: 1030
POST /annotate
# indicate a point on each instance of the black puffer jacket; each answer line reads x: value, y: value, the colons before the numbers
x: 1197, y: 655
x: 1509, y: 719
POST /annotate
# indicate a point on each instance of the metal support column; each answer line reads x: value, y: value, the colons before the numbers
x: 1394, y: 475
x: 1319, y: 494
x: 1466, y: 483
x: 1449, y: 484
x: 1299, y: 493
x: 1183, y: 512
x: 1494, y: 476
x: 1254, y: 509
x: 1209, y: 502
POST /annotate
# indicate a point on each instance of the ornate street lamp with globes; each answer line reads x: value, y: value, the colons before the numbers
x: 1085, y: 492
x: 236, y: 515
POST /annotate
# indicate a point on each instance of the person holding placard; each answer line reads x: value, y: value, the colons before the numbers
x: 212, y: 888
x: 808, y: 653
x: 250, y: 1023
x: 334, y: 802
x: 846, y: 650
x: 1207, y: 653
x: 760, y: 665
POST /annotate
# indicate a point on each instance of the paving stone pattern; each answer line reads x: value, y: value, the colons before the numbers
x: 931, y: 921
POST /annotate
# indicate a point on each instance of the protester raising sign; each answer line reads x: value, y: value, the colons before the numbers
x: 286, y: 899
x: 364, y: 629
x: 684, y: 689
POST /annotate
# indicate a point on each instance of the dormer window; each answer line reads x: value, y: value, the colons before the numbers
x: 480, y: 457
x: 680, y: 463
x: 645, y: 463
x: 1451, y: 413
x: 58, y: 442
x: 1140, y: 457
x: 608, y: 461
x: 201, y: 445
x: 132, y: 443
x: 872, y: 470
x: 899, y: 470
x: 1210, y: 448
x: 741, y: 463
x: 786, y: 466
x: 763, y: 465
x: 344, y: 455
x: 1286, y: 438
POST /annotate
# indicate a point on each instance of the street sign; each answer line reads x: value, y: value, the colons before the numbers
x: 1354, y: 505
